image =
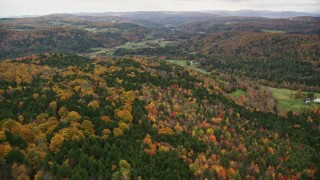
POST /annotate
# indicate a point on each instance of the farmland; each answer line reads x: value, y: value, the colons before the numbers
x: 192, y: 66
x: 287, y: 101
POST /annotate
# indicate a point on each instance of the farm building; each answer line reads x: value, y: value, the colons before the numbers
x: 191, y: 62
x: 306, y: 100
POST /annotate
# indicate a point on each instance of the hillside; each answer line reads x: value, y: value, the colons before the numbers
x: 270, y: 56
x: 66, y: 116
x: 60, y: 33
x: 294, y: 25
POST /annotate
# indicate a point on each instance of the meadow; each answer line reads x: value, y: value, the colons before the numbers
x: 191, y: 66
x: 273, y: 31
x: 287, y: 101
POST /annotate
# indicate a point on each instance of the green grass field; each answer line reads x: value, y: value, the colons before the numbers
x: 149, y: 37
x: 90, y: 29
x: 192, y: 66
x: 164, y: 43
x: 231, y: 22
x: 128, y: 45
x: 104, y: 30
x: 273, y: 31
x: 21, y: 29
x: 97, y: 51
x: 285, y: 103
x: 178, y: 62
x: 80, y: 26
x: 238, y: 92
x: 144, y: 44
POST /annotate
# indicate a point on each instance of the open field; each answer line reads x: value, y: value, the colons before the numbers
x: 20, y: 29
x: 112, y: 30
x: 144, y: 44
x: 273, y: 31
x: 231, y: 22
x: 130, y: 45
x: 238, y: 92
x: 98, y: 49
x: 149, y: 37
x: 90, y: 29
x: 192, y: 66
x: 285, y: 102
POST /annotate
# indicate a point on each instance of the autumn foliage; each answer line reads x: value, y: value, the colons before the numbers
x: 162, y: 121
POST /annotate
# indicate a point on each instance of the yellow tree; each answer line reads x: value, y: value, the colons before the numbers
x: 178, y: 128
x: 2, y: 135
x: 124, y: 115
x: 5, y: 148
x: 56, y: 142
x: 105, y: 134
x: 88, y: 127
x: 117, y: 132
x: 95, y: 104
x: 27, y: 133
x: 166, y: 130
x: 53, y: 105
x: 124, y: 172
x: 123, y: 126
x: 74, y: 116
x: 21, y: 119
x: 63, y: 112
x: 11, y: 125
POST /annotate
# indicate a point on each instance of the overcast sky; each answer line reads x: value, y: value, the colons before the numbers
x: 41, y: 7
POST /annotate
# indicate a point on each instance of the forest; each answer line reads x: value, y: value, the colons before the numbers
x: 270, y: 56
x: 65, y: 116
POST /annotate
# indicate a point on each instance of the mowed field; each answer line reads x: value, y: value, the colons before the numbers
x: 273, y: 31
x: 236, y: 93
x: 286, y: 103
x: 129, y: 45
x: 144, y: 44
x: 191, y: 66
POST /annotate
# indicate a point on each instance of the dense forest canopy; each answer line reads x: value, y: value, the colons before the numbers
x: 64, y: 116
x: 271, y: 56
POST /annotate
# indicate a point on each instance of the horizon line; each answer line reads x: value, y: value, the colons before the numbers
x: 100, y: 12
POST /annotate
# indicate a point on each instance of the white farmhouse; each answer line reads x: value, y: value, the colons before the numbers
x: 317, y: 100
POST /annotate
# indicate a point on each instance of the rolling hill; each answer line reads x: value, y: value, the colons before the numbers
x: 140, y: 118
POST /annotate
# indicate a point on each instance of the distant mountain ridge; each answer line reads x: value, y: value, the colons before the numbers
x: 181, y: 17
x: 177, y: 18
x: 264, y: 13
x: 249, y: 13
